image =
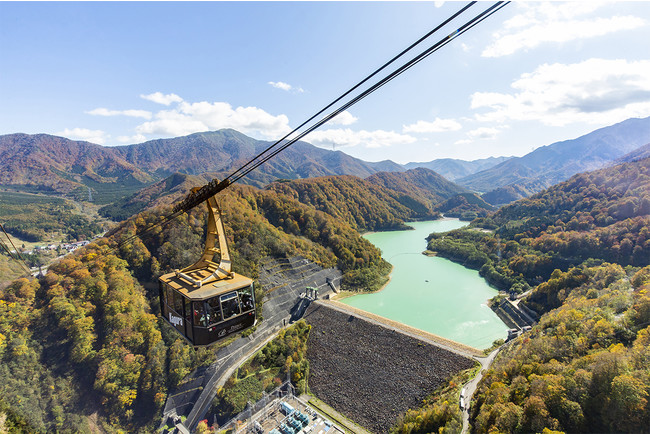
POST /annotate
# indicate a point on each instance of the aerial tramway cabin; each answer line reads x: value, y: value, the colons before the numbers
x: 206, y: 302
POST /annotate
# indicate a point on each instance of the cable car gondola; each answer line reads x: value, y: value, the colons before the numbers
x: 206, y: 302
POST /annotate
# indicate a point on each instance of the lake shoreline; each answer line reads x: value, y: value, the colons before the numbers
x: 429, y: 292
x: 345, y: 294
x: 449, y: 344
x: 441, y: 219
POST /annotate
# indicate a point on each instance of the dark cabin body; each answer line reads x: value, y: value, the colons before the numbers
x: 206, y: 302
x: 207, y: 314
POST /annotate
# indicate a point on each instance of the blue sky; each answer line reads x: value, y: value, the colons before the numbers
x: 120, y: 73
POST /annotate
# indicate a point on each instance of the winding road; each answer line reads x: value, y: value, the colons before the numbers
x: 467, y: 392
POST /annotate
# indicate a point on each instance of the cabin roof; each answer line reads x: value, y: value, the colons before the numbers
x: 207, y: 290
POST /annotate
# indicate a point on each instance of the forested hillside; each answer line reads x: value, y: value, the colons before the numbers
x: 10, y: 270
x: 38, y: 218
x: 583, y: 368
x: 81, y: 342
x: 505, y: 195
x: 360, y: 203
x: 88, y: 329
x: 583, y: 249
x: 56, y: 165
x: 465, y: 206
x: 382, y: 201
x: 424, y: 184
x: 602, y: 215
x: 162, y: 192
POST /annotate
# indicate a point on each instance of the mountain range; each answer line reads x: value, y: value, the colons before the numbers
x: 86, y: 171
x: 453, y: 169
x: 54, y: 164
x: 637, y: 154
x: 548, y: 165
x: 413, y: 194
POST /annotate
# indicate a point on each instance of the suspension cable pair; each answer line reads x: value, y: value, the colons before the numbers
x: 215, y: 186
x: 193, y: 199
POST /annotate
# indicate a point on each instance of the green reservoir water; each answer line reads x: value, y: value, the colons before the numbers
x: 430, y: 293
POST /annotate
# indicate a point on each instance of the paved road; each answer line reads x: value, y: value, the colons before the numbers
x: 467, y: 392
x: 224, y: 369
x: 469, y: 388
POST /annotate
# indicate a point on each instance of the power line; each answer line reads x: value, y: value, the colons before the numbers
x: 4, y: 246
x: 214, y: 187
x: 19, y: 257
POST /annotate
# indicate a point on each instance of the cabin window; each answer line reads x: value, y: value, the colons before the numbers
x: 169, y: 296
x: 230, y: 305
x: 187, y: 309
x: 214, y: 310
x: 246, y: 298
x: 200, y: 318
x: 178, y: 303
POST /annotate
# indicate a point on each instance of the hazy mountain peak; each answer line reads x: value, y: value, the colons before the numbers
x: 452, y: 168
x: 550, y: 164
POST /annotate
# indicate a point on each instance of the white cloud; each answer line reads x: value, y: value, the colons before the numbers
x: 280, y: 85
x: 594, y: 91
x: 485, y: 133
x: 368, y: 139
x: 437, y: 126
x: 481, y: 133
x: 138, y: 138
x: 94, y: 136
x: 285, y: 86
x: 540, y: 23
x: 132, y: 113
x: 190, y: 118
x: 160, y: 98
x: 343, y: 118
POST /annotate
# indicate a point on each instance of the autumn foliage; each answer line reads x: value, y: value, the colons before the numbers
x: 584, y: 367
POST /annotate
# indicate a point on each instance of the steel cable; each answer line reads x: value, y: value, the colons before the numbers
x: 215, y: 186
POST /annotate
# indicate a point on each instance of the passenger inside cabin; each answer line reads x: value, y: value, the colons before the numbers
x: 230, y: 305
x: 214, y: 310
x: 246, y: 299
x: 199, y: 315
x: 246, y: 302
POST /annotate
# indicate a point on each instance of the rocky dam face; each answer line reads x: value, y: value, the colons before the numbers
x: 370, y: 373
